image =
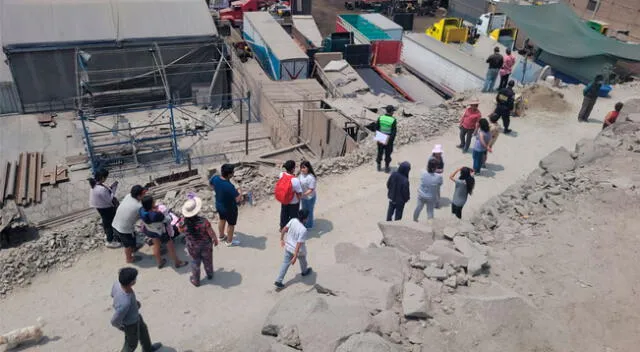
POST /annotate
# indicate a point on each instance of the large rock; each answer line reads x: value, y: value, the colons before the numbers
x: 499, y: 323
x: 322, y: 321
x: 433, y: 272
x: 344, y: 280
x: 386, y: 322
x: 414, y: 303
x: 477, y: 259
x: 260, y: 344
x: 366, y: 342
x: 409, y: 237
x: 587, y: 150
x: 447, y: 255
x: 387, y: 264
x: 559, y: 160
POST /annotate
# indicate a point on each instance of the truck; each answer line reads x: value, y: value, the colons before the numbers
x: 234, y: 13
x: 280, y: 57
x: 449, y: 30
x: 384, y: 35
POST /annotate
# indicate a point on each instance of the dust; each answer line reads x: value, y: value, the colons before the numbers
x: 546, y: 99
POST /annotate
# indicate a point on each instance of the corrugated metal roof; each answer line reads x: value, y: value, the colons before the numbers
x: 380, y: 21
x: 278, y: 40
x: 5, y: 72
x: 308, y: 27
x: 73, y: 21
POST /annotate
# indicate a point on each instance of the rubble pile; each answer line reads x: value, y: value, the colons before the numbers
x: 52, y: 248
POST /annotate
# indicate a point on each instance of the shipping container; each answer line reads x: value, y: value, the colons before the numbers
x: 384, y: 35
x: 444, y: 66
x: 276, y: 51
x: 307, y: 26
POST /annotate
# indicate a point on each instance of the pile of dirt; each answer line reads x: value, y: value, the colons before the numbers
x: 540, y: 97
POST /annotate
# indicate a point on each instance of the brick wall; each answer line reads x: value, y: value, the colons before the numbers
x: 620, y: 14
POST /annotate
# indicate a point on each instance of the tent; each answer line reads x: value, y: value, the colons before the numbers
x: 566, y: 43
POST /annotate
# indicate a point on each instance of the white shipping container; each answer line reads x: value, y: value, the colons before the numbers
x: 445, y: 67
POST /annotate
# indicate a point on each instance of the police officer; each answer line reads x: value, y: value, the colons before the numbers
x: 386, y: 124
x: 505, y: 102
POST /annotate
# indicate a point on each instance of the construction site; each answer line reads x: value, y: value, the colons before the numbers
x: 162, y: 93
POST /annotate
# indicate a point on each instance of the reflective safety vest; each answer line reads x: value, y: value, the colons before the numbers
x: 386, y: 123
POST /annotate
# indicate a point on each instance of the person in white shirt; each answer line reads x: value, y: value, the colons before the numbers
x: 124, y: 222
x: 308, y: 182
x: 102, y: 198
x: 294, y: 246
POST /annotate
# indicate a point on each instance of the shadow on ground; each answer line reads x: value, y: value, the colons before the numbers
x: 249, y: 241
x: 225, y: 279
x: 30, y: 346
x: 320, y: 227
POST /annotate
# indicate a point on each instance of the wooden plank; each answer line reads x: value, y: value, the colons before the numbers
x: 38, y: 185
x: 283, y: 150
x: 31, y: 188
x: 11, y: 181
x: 4, y: 177
x: 20, y: 184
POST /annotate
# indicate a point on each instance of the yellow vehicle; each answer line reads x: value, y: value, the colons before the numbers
x: 449, y: 30
x: 599, y: 26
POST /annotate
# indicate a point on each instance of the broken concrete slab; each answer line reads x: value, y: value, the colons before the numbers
x: 366, y: 342
x: 424, y: 260
x: 289, y: 336
x: 477, y: 259
x: 414, y: 303
x: 322, y: 321
x: 387, y: 264
x: 386, y: 322
x: 477, y: 264
x: 409, y: 237
x: 559, y: 160
x: 344, y: 280
x: 448, y: 255
x: 433, y: 272
x: 465, y: 246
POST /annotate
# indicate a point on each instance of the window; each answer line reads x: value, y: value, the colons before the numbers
x: 591, y: 5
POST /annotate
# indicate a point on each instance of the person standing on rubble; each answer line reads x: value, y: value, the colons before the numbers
x: 102, y: 198
x: 388, y: 125
x: 495, y: 62
x: 126, y: 316
x: 227, y: 198
x: 505, y: 102
x: 125, y: 220
x: 590, y: 93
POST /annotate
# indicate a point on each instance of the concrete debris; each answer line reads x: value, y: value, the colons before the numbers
x: 386, y: 322
x: 414, y: 303
x: 558, y: 161
x: 432, y: 272
x: 366, y: 342
x: 387, y: 264
x: 289, y: 336
x: 322, y: 321
x: 447, y: 255
x: 409, y: 237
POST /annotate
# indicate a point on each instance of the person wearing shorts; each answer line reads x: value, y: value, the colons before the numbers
x: 227, y: 198
x: 124, y: 222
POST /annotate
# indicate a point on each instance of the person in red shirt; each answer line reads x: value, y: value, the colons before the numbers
x: 508, y: 61
x: 468, y: 124
x: 612, y: 116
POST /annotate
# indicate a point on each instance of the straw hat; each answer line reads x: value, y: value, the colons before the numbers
x: 437, y: 149
x: 191, y: 207
x: 473, y: 101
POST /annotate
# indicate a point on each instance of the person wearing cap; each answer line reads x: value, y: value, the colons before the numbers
x: 227, y: 198
x: 505, y: 102
x: 468, y: 124
x: 438, y: 157
x: 200, y: 238
x: 124, y: 222
x: 495, y: 62
x: 386, y: 124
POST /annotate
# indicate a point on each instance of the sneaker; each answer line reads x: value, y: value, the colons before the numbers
x: 379, y: 167
x: 279, y: 284
x: 136, y: 258
x: 306, y: 272
x: 387, y: 169
x: 113, y: 244
x: 233, y: 243
x: 210, y: 277
x: 156, y: 346
x: 460, y: 146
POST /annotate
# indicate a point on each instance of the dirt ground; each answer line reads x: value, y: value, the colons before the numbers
x: 581, y: 245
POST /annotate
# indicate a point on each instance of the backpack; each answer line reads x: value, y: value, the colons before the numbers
x: 284, y: 189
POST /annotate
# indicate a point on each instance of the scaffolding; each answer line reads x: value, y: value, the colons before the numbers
x: 112, y: 99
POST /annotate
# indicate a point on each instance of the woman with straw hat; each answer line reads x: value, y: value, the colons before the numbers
x: 200, y: 238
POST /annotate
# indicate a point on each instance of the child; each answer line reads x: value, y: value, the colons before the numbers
x: 155, y: 227
x: 612, y: 116
x: 294, y: 246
